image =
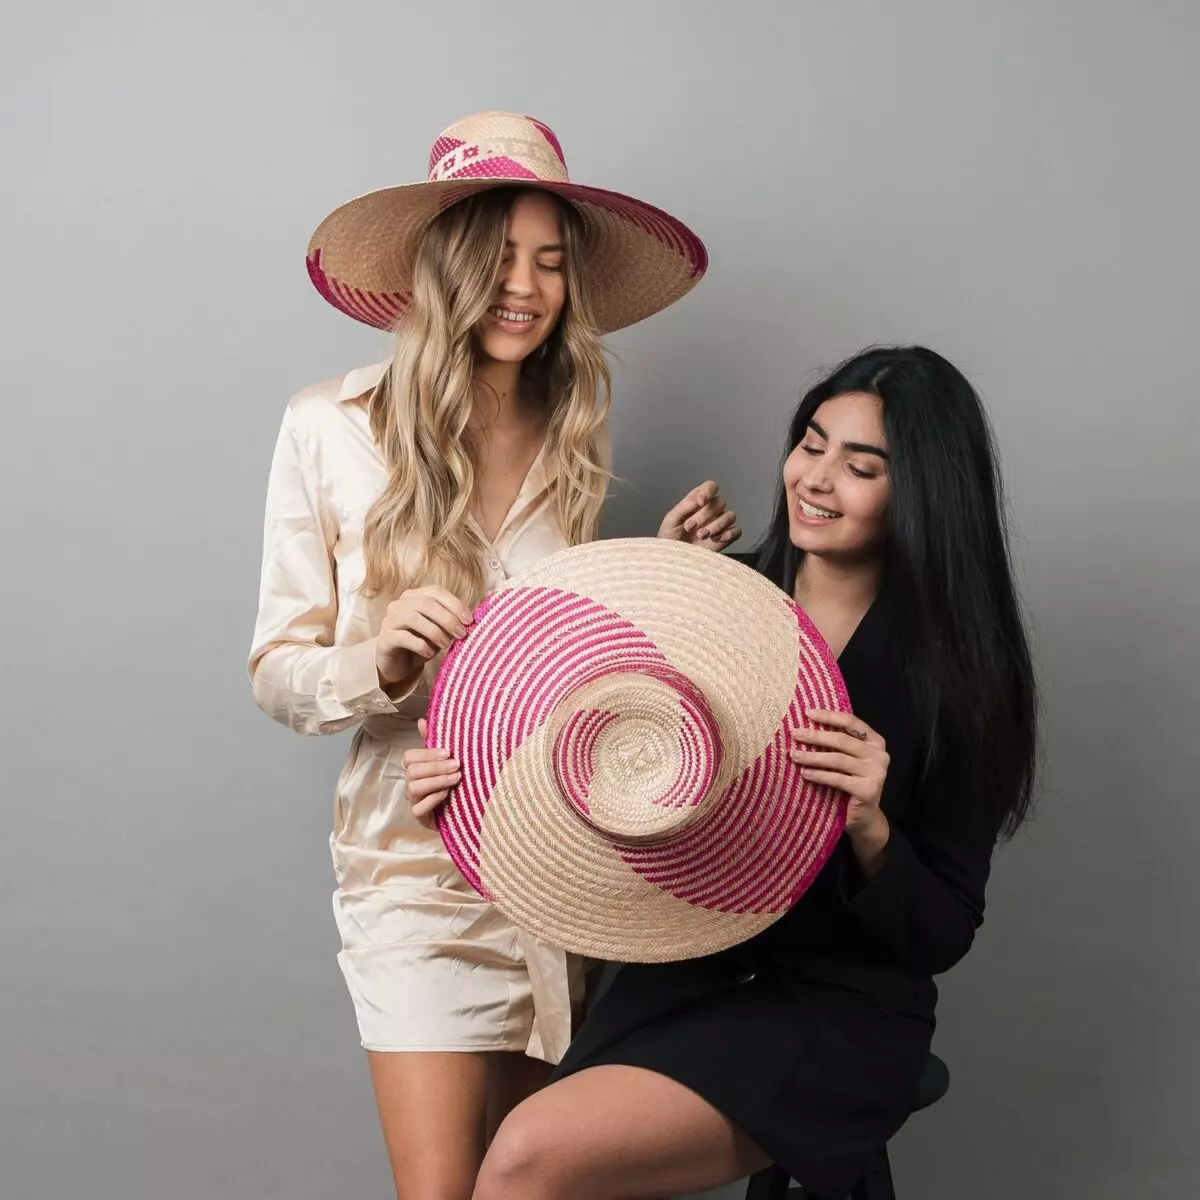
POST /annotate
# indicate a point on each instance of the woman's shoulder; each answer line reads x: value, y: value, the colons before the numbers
x: 320, y: 409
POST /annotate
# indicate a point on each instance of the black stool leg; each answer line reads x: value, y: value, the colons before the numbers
x: 769, y: 1184
x: 876, y: 1183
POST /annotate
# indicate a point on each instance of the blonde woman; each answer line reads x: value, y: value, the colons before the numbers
x: 397, y: 497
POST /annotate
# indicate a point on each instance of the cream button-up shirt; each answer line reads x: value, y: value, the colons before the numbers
x: 429, y: 963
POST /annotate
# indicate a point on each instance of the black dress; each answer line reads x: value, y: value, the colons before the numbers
x: 812, y: 1036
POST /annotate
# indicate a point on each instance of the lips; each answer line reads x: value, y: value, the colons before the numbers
x: 516, y: 319
x: 814, y: 512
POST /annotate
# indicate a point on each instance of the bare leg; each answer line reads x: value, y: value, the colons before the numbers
x: 433, y: 1109
x: 512, y: 1078
x: 614, y: 1133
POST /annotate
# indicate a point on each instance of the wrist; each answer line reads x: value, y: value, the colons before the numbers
x: 390, y: 687
x: 386, y: 679
x: 869, y: 843
x: 391, y: 673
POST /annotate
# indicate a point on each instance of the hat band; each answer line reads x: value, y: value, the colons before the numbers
x: 500, y: 157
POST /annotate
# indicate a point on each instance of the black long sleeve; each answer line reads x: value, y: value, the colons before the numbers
x: 926, y: 901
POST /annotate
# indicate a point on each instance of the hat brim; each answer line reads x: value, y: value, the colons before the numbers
x: 522, y: 826
x: 642, y: 259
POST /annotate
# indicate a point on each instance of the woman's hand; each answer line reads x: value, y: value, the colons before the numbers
x: 429, y: 775
x: 852, y: 757
x: 701, y: 518
x: 415, y: 627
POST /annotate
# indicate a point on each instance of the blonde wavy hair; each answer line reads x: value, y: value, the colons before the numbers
x: 417, y: 531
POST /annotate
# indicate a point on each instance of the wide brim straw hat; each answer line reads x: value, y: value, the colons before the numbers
x: 640, y: 259
x: 623, y: 714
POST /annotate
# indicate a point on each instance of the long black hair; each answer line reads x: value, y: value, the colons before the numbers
x: 947, y: 573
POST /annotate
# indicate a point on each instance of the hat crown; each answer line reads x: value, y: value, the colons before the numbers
x: 498, y: 145
x: 636, y: 754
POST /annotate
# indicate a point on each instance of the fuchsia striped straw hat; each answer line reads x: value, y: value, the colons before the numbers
x: 623, y: 714
x: 362, y: 255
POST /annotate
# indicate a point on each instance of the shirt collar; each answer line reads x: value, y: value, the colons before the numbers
x: 361, y: 381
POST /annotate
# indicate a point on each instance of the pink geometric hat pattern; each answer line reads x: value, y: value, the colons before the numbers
x: 623, y: 714
x: 361, y: 256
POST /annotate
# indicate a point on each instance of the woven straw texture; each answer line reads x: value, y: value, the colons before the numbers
x: 640, y: 259
x: 623, y: 714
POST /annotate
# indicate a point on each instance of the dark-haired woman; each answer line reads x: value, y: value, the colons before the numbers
x: 805, y: 1045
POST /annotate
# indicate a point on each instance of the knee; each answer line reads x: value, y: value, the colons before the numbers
x: 523, y: 1161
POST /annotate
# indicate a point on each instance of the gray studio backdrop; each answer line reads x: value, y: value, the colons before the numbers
x: 1012, y: 182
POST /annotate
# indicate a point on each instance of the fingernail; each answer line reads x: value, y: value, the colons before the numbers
x: 703, y: 534
x: 467, y: 617
x: 689, y: 525
x: 427, y: 651
x: 460, y: 632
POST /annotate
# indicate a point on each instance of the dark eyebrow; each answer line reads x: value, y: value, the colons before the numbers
x: 857, y: 447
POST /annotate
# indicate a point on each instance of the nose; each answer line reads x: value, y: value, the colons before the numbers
x: 516, y: 277
x: 815, y: 476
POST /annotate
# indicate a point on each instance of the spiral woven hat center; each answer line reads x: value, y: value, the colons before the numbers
x: 635, y: 754
x: 623, y: 715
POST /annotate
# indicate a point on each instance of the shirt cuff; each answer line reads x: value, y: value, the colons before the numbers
x: 356, y: 681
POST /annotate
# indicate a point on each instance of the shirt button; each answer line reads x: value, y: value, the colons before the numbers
x: 380, y: 702
x: 494, y: 563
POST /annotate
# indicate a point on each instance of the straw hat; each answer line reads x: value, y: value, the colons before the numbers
x: 362, y: 255
x: 623, y: 713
